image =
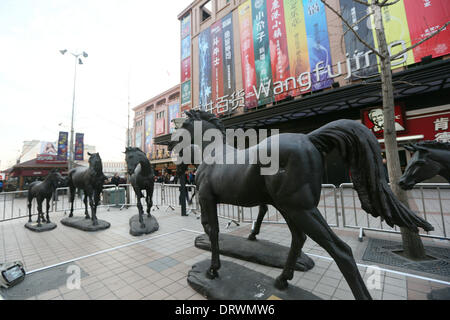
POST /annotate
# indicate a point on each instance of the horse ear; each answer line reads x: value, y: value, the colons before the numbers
x: 189, y: 114
x: 89, y: 154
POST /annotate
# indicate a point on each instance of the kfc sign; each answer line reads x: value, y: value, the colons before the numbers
x: 374, y: 119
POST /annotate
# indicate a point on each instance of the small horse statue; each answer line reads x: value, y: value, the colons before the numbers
x: 142, y: 177
x: 294, y: 189
x: 90, y: 180
x: 430, y: 158
x: 43, y: 190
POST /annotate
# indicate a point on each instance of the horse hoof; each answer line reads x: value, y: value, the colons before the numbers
x: 252, y: 237
x: 142, y: 225
x: 211, y: 274
x: 281, y: 284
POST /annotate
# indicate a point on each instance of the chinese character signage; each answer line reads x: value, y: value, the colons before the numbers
x: 160, y: 126
x: 62, y: 145
x: 186, y: 93
x: 79, y: 146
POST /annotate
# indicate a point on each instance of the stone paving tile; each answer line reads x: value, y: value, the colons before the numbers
x: 157, y: 268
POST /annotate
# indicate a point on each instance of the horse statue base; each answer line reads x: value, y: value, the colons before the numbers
x: 151, y: 225
x: 84, y: 224
x: 237, y: 282
x: 260, y: 251
x: 35, y: 227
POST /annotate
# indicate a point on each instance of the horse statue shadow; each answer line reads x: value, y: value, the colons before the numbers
x: 430, y: 158
x: 90, y: 180
x: 142, y: 177
x: 43, y: 190
x: 291, y: 183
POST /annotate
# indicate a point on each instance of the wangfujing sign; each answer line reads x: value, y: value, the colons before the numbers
x: 285, y: 46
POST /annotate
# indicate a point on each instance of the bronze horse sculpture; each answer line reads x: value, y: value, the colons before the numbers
x: 142, y: 177
x: 90, y: 180
x: 294, y: 190
x: 430, y: 158
x: 43, y: 190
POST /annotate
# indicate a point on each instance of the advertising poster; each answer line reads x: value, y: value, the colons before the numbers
x: 62, y: 145
x: 186, y: 26
x: 185, y: 69
x: 374, y: 120
x: 425, y: 17
x: 217, y: 61
x: 318, y: 43
x: 48, y: 148
x: 229, y: 83
x: 204, y: 48
x: 278, y: 46
x: 296, y: 41
x: 186, y: 92
x: 247, y: 54
x: 160, y: 126
x: 186, y: 47
x: 138, y: 141
x: 353, y: 11
x: 79, y: 146
x: 174, y: 112
x: 149, y: 131
x: 264, y: 85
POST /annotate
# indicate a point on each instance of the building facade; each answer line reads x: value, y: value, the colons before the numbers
x: 294, y: 65
x: 152, y: 120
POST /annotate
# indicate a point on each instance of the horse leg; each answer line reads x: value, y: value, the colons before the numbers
x: 48, y: 208
x: 96, y: 202
x: 140, y: 208
x: 262, y: 212
x: 211, y: 226
x: 40, y: 214
x: 72, y: 199
x: 92, y: 205
x: 30, y: 201
x: 315, y: 226
x: 148, y: 198
x: 86, y: 212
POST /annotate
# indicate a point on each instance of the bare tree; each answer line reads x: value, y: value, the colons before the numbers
x: 412, y: 244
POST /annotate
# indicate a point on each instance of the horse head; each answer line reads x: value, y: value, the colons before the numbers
x: 95, y: 162
x: 133, y: 156
x: 55, y: 178
x: 421, y: 167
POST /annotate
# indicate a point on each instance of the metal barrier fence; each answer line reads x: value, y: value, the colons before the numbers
x: 430, y: 201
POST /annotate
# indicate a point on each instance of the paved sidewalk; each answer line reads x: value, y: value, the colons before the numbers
x: 116, y: 265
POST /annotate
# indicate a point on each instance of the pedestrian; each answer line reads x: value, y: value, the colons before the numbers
x: 1, y: 185
x: 386, y: 174
x: 115, y: 180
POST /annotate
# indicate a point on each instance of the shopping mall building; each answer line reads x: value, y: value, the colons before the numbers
x: 291, y: 65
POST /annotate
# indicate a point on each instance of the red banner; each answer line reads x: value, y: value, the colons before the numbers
x: 185, y: 69
x: 278, y: 46
x: 216, y: 61
x: 247, y: 54
x: 424, y: 18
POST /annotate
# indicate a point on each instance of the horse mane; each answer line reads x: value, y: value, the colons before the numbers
x: 208, y: 117
x: 431, y: 144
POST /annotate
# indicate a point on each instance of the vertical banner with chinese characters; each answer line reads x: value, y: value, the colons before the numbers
x: 174, y: 112
x: 149, y: 132
x: 261, y: 47
x: 361, y: 64
x: 296, y: 41
x: 79, y: 146
x: 204, y: 48
x: 229, y: 84
x: 247, y: 54
x: 424, y: 18
x: 217, y: 62
x: 318, y: 43
x: 62, y: 145
x: 278, y: 47
x: 186, y: 60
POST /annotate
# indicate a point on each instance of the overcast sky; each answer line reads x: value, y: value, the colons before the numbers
x: 125, y: 39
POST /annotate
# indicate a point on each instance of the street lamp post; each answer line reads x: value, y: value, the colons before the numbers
x: 77, y: 61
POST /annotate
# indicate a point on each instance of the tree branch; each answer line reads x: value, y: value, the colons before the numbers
x: 385, y: 4
x: 354, y: 32
x: 420, y: 42
x: 357, y: 22
x: 362, y: 2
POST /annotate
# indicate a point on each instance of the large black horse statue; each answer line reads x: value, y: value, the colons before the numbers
x: 430, y: 158
x: 43, y: 190
x: 295, y: 188
x: 141, y: 178
x: 90, y: 180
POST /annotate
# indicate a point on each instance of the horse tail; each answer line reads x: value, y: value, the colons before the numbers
x: 361, y: 151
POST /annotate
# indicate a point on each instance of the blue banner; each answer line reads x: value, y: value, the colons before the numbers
x: 174, y: 112
x: 204, y: 48
x: 318, y: 43
x: 79, y: 146
x: 62, y: 145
